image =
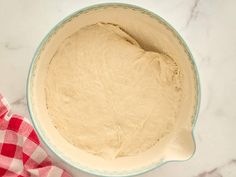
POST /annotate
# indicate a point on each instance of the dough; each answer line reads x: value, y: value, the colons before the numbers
x: 108, y: 96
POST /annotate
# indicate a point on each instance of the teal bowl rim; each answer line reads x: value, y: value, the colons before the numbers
x: 115, y: 173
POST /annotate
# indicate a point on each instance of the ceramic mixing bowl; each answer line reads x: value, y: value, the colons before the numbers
x: 154, y: 34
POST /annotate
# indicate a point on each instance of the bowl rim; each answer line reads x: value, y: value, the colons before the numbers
x: 115, y: 173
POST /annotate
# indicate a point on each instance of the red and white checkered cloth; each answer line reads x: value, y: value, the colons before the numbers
x: 21, y: 153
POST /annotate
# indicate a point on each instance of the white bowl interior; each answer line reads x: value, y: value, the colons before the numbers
x: 153, y: 34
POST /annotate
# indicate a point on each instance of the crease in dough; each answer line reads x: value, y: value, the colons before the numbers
x: 108, y: 96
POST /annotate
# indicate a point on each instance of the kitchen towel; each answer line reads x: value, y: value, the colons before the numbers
x: 21, y: 153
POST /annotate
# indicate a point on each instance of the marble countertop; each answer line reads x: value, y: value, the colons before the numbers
x: 208, y: 26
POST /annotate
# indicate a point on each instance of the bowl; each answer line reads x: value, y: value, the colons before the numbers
x: 154, y: 34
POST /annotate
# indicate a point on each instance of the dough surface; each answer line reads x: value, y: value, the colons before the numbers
x: 108, y: 96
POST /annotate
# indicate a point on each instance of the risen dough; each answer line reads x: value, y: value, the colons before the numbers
x: 108, y: 96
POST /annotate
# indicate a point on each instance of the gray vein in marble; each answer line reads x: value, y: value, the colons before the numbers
x: 19, y: 101
x: 212, y: 173
x: 233, y: 161
x: 9, y: 46
x: 215, y: 172
x: 193, y: 13
x: 199, y: 137
x: 209, y: 100
x: 206, y: 60
x: 219, y: 112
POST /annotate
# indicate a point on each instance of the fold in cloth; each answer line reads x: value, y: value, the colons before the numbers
x: 21, y: 153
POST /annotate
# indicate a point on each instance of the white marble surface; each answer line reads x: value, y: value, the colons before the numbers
x: 208, y: 26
